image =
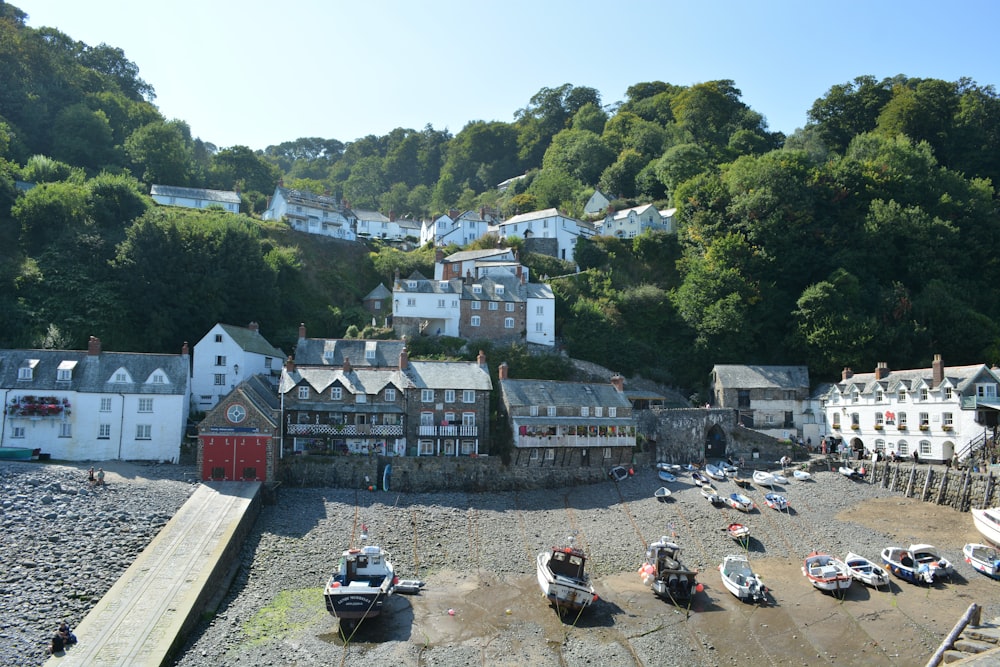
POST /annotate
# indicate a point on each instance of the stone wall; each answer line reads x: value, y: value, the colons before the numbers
x: 938, y: 484
x: 679, y: 435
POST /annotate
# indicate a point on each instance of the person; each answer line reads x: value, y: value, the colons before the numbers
x: 916, y: 457
x: 90, y: 475
x: 954, y: 460
x: 100, y: 477
x: 57, y: 645
x: 67, y: 634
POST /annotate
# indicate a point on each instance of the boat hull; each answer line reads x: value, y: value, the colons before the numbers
x: 827, y: 573
x: 983, y: 558
x: 866, y: 571
x: 15, y: 454
x: 900, y: 563
x: 739, y: 579
x: 354, y: 605
x: 563, y: 592
x: 739, y: 502
x: 987, y: 522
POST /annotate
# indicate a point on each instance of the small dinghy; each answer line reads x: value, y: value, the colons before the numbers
x: 700, y: 479
x: 827, y: 573
x: 779, y: 478
x: 763, y: 478
x: 409, y: 586
x: 984, y: 558
x: 776, y: 501
x: 618, y: 473
x: 662, y: 493
x: 666, y: 476
x: 801, y: 475
x: 669, y: 467
x: 740, y: 502
x: 865, y: 571
x: 739, y: 579
x: 718, y: 474
x: 727, y: 467
x: 849, y: 472
x: 711, y: 495
x: 739, y: 532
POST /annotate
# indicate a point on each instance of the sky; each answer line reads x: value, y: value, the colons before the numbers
x: 255, y: 73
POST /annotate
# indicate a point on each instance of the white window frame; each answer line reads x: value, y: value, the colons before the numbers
x: 336, y: 393
x: 474, y: 321
x: 143, y: 431
x: 468, y: 395
x: 426, y: 395
x: 508, y: 323
x: 145, y: 405
x: 303, y: 393
x: 390, y: 394
x: 509, y: 307
x: 105, y: 404
x: 104, y: 431
x: 449, y: 395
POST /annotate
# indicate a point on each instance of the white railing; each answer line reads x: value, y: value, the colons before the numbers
x: 347, y: 430
x: 574, y: 441
x: 453, y: 430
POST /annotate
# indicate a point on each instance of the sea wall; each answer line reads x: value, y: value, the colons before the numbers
x: 938, y: 484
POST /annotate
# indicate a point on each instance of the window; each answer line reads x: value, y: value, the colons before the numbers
x: 508, y: 323
x: 494, y: 305
x: 947, y: 393
x: 440, y: 303
x: 411, y: 284
x: 220, y: 379
x: 532, y: 457
x: 947, y: 419
x: 303, y: 392
x: 157, y: 378
x: 550, y: 454
x: 425, y: 447
x: 17, y: 432
x: 477, y: 289
x: 855, y: 419
x: 476, y: 305
x: 902, y: 420
x: 904, y: 448
x: 390, y: 394
x: 584, y: 411
x: 218, y: 338
x: 145, y: 405
x: 925, y: 420
x: 468, y: 419
x: 986, y: 390
x: 551, y: 411
x: 449, y: 395
x: 538, y: 327
x: 879, y: 395
x: 612, y: 412
x: 509, y: 307
x: 925, y: 448
x: 63, y: 375
x: 902, y: 395
x: 144, y: 432
x: 836, y: 420
x: 370, y: 354
x: 220, y: 360
x: 468, y: 395
x: 104, y: 432
x: 426, y: 395
x: 377, y: 305
x: 411, y: 302
x: 24, y: 373
x: 880, y: 445
x: 474, y: 321
x: 607, y: 452
x: 121, y: 376
x: 879, y: 420
x: 361, y: 398
x: 105, y: 404
x: 454, y: 303
x: 539, y: 310
x: 924, y: 394
x: 468, y: 447
x: 499, y: 289
x: 598, y: 411
x: 336, y: 393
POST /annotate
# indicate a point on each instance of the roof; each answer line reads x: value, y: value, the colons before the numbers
x: 558, y: 393
x: 221, y: 196
x: 449, y: 375
x: 534, y: 215
x: 418, y: 375
x: 250, y: 340
x: 304, y: 198
x: 380, y: 292
x: 478, y: 255
x: 962, y: 378
x: 333, y: 351
x: 369, y: 216
x: 638, y: 210
x: 93, y: 374
x: 761, y: 377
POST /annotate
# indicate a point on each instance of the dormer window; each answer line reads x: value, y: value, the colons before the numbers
x: 443, y: 284
x: 64, y: 373
x: 411, y: 284
x: 902, y: 395
x: 499, y: 289
x: 986, y: 390
x: 27, y: 369
x: 477, y: 289
x: 947, y: 393
x: 879, y: 395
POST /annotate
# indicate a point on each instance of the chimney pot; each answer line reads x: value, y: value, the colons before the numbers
x: 619, y: 382
x: 94, y: 346
x: 937, y: 371
x: 404, y: 359
x: 254, y: 327
x: 481, y: 358
x: 502, y: 371
x: 846, y: 374
x: 290, y: 364
x: 302, y: 331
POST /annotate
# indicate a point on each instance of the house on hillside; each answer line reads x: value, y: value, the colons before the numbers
x: 201, y: 198
x: 477, y: 263
x: 568, y: 423
x: 374, y: 225
x: 631, y: 222
x: 457, y: 228
x: 225, y: 356
x: 546, y: 232
x: 358, y: 352
x: 935, y: 412
x: 94, y: 405
x: 239, y: 439
x: 770, y: 399
x: 378, y: 302
x: 310, y: 213
x: 597, y: 203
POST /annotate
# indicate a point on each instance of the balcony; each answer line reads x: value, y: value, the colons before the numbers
x: 347, y: 430
x: 449, y: 431
x: 574, y: 441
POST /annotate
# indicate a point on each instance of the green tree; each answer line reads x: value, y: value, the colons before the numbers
x: 83, y: 137
x: 580, y: 154
x: 161, y: 152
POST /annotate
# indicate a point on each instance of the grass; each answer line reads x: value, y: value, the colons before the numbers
x: 288, y: 612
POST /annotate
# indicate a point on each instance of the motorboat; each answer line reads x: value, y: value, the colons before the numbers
x: 718, y: 474
x: 739, y: 579
x: 928, y: 555
x: 563, y: 578
x: 776, y: 501
x: 987, y: 522
x: 739, y: 532
x: 763, y: 478
x: 866, y: 571
x: 700, y: 479
x: 363, y: 581
x: 984, y: 558
x: 666, y: 476
x: 740, y: 502
x: 901, y: 563
x: 662, y: 493
x: 666, y: 575
x: 727, y: 467
x: 801, y: 475
x: 779, y: 478
x: 827, y: 573
x: 711, y: 495
x: 849, y: 472
x: 618, y: 473
x: 669, y: 467
x: 740, y: 480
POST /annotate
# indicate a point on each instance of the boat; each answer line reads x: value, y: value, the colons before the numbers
x: 386, y: 477
x: 983, y: 558
x: 364, y: 579
x: 740, y: 502
x: 618, y: 473
x: 700, y: 479
x: 669, y: 467
x: 727, y: 467
x: 563, y: 578
x: 666, y: 476
x: 739, y: 579
x: 779, y: 478
x: 409, y: 586
x: 987, y: 522
x: 739, y: 480
x: 776, y: 501
x: 827, y: 573
x: 715, y: 473
x: 901, y: 563
x: 16, y: 453
x: 710, y: 494
x: 763, y: 478
x: 801, y: 475
x: 739, y: 532
x: 666, y: 575
x: 866, y: 571
x: 849, y: 472
x: 662, y: 493
x: 928, y: 555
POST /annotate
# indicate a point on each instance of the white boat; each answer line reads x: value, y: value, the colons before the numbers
x: 715, y: 473
x: 779, y: 478
x: 983, y: 558
x: 763, y: 478
x: 409, y: 586
x: 866, y: 571
x: 928, y: 555
x: 776, y: 501
x: 563, y: 578
x: 666, y: 476
x: 739, y: 579
x: 364, y: 579
x: 665, y: 574
x: 987, y: 522
x: 739, y: 532
x: 801, y: 475
x: 727, y: 467
x: 849, y: 472
x: 661, y: 493
x: 901, y: 563
x: 711, y: 495
x: 740, y: 502
x: 700, y: 479
x: 827, y: 573
x: 618, y: 473
x: 669, y: 467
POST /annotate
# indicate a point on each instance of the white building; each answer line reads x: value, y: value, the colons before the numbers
x: 771, y: 399
x: 477, y: 263
x: 935, y: 412
x: 225, y: 356
x: 95, y: 406
x: 169, y: 195
x: 311, y: 213
x: 631, y: 222
x: 546, y: 224
x: 458, y: 229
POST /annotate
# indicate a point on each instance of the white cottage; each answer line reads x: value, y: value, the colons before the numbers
x: 546, y: 224
x: 311, y: 213
x: 225, y: 356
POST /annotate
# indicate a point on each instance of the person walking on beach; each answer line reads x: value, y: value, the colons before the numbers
x: 100, y: 477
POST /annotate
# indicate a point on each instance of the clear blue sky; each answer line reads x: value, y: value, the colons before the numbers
x: 257, y: 73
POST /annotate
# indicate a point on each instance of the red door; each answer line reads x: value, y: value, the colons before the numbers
x: 239, y: 458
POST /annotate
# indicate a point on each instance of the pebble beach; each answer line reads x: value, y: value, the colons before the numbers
x: 66, y: 543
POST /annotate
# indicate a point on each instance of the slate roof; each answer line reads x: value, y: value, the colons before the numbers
x: 221, y: 196
x: 533, y: 215
x: 94, y: 374
x: 963, y: 378
x: 761, y: 377
x: 380, y: 292
x: 465, y: 255
x: 519, y: 393
x: 251, y: 341
x: 418, y: 375
x: 333, y: 351
x: 304, y: 198
x: 449, y: 375
x: 369, y: 216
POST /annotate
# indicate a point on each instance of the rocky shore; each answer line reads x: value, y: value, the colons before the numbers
x: 66, y: 543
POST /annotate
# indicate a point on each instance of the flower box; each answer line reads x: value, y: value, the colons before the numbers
x: 855, y: 427
x: 946, y: 427
x: 924, y: 427
x: 901, y: 427
x: 878, y: 427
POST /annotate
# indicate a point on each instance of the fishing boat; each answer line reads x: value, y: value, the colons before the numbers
x: 740, y: 502
x: 718, y: 474
x: 742, y: 481
x: 727, y: 467
x: 739, y: 532
x: 866, y: 571
x: 563, y: 578
x: 801, y: 475
x: 711, y: 495
x: 700, y: 479
x: 364, y: 579
x: 901, y: 563
x: 618, y: 473
x: 739, y: 579
x: 666, y: 575
x: 666, y: 476
x: 776, y: 501
x: 763, y: 478
x: 827, y: 573
x: 928, y: 555
x: 662, y: 493
x: 987, y: 522
x: 16, y: 453
x: 983, y: 558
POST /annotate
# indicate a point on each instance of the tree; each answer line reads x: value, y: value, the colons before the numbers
x: 619, y: 177
x: 83, y: 137
x: 549, y: 111
x: 849, y: 109
x: 834, y: 322
x: 240, y: 167
x: 48, y: 211
x: 161, y: 152
x: 580, y: 154
x: 681, y: 162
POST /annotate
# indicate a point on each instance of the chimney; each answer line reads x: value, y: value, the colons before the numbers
x: 185, y: 350
x: 94, y: 346
x: 404, y: 359
x: 881, y: 370
x: 846, y: 374
x: 618, y: 382
x: 392, y: 216
x: 937, y: 374
x: 502, y: 371
x: 482, y: 212
x: 302, y: 331
x: 453, y: 213
x: 290, y: 365
x: 347, y: 365
x: 481, y: 358
x: 254, y: 327
x: 438, y: 255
